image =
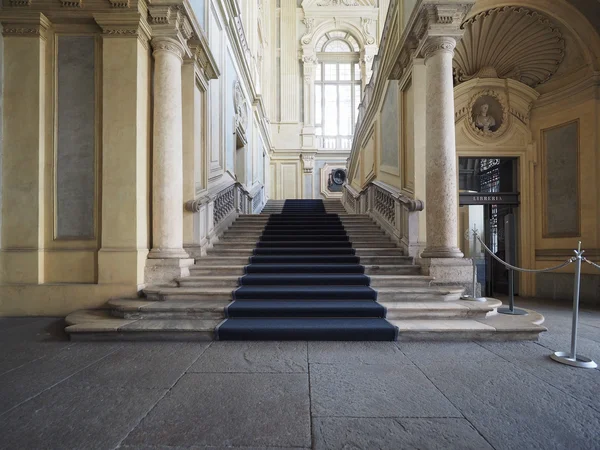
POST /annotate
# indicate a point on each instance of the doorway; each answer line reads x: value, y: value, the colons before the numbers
x: 489, y: 201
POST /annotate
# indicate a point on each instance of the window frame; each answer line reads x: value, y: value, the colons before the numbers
x: 337, y: 142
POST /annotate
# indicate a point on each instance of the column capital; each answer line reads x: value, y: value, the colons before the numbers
x: 168, y: 44
x: 438, y: 44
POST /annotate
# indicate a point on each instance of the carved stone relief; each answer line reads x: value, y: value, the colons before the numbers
x: 241, y: 108
x: 509, y: 42
x: 488, y: 114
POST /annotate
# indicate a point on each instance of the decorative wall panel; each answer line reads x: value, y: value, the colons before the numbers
x: 390, y: 123
x: 561, y: 176
x: 230, y: 79
x: 76, y: 137
x: 289, y: 181
x: 408, y: 138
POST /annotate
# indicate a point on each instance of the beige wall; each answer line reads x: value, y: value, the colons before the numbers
x: 43, y: 275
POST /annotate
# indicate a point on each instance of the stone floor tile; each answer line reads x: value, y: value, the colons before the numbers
x: 43, y: 329
x: 509, y: 406
x: 76, y: 418
x: 332, y: 433
x: 561, y: 342
x: 168, y: 447
x: 229, y: 410
x: 535, y: 359
x: 15, y: 354
x: 31, y: 379
x: 375, y: 391
x: 143, y: 364
x: 235, y: 356
x: 9, y: 323
x: 351, y: 353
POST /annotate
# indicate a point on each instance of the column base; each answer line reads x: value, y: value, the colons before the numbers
x: 163, y: 272
x: 449, y: 271
x: 168, y: 253
x: 442, y: 252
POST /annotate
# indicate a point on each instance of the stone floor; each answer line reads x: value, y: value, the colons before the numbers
x: 55, y: 394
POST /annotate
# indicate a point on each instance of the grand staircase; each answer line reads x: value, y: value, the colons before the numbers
x: 303, y: 270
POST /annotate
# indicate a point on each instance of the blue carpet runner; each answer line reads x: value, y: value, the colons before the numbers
x: 304, y: 282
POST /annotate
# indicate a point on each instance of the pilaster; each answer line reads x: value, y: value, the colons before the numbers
x: 24, y: 147
x: 125, y: 148
x: 289, y: 63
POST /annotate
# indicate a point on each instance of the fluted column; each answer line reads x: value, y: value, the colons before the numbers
x: 167, y: 166
x: 441, y: 194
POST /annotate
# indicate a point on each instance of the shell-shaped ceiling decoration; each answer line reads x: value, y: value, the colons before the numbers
x: 509, y: 42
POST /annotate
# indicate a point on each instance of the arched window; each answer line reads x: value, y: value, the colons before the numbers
x: 337, y: 90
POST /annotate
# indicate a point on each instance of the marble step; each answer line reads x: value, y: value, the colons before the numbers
x: 459, y: 309
x: 232, y: 281
x: 248, y: 251
x: 238, y: 270
x: 239, y: 235
x: 144, y: 309
x: 214, y: 310
x: 244, y: 241
x: 177, y: 321
x: 370, y: 228
x: 397, y: 294
x: 214, y: 260
x: 247, y: 244
x: 99, y: 325
x: 373, y: 261
x: 495, y: 327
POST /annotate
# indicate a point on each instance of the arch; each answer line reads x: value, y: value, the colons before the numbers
x: 330, y: 25
x: 587, y: 37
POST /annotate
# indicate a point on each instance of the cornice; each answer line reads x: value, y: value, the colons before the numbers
x: 24, y: 24
x: 124, y: 25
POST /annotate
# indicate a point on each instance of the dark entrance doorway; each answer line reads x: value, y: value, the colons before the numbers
x: 488, y: 198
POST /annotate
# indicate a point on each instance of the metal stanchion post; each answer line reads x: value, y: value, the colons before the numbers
x: 509, y: 239
x: 474, y: 296
x: 572, y: 359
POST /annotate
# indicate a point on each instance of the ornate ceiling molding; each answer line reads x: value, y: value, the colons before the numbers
x: 509, y: 42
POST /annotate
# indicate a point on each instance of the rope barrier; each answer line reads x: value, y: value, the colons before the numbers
x: 519, y: 269
x: 570, y: 358
x: 591, y: 263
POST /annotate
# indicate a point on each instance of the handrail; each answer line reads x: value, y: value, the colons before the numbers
x: 352, y: 191
x: 409, y: 203
x: 209, y: 196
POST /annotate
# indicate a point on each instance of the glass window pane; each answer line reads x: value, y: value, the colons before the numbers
x: 346, y: 116
x: 357, y: 72
x: 318, y: 105
x: 353, y: 43
x: 318, y: 73
x: 319, y: 131
x: 356, y: 101
x: 331, y: 114
x: 337, y: 46
x: 330, y: 72
x: 345, y: 73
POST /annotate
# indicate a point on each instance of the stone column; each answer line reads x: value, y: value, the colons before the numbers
x: 441, y: 194
x: 167, y: 259
x: 167, y: 162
